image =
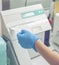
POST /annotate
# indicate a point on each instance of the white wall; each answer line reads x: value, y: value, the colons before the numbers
x: 0, y: 17
x: 17, y: 3
x: 45, y: 3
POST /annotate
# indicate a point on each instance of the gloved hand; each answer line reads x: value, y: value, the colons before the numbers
x: 27, y: 39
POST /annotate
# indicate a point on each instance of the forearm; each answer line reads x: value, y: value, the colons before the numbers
x: 48, y: 54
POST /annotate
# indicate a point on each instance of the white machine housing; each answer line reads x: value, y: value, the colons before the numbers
x: 31, y: 18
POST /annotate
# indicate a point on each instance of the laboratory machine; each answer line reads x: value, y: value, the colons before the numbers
x: 31, y: 18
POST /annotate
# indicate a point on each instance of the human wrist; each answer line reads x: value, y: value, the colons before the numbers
x: 37, y: 44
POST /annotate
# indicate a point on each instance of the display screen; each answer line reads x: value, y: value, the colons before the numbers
x: 32, y: 13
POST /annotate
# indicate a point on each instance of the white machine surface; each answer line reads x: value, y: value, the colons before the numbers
x: 31, y: 18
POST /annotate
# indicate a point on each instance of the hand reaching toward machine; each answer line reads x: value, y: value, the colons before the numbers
x: 27, y: 39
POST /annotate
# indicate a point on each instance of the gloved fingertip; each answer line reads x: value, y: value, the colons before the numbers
x: 19, y: 35
x: 23, y: 31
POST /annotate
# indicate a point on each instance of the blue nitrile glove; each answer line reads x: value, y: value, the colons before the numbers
x: 27, y: 39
